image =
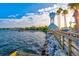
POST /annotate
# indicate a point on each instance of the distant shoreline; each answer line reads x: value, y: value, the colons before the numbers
x: 43, y: 29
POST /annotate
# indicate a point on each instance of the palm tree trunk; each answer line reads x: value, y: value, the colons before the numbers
x: 65, y: 22
x: 59, y: 21
x: 76, y: 16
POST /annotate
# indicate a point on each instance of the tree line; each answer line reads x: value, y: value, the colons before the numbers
x: 40, y: 28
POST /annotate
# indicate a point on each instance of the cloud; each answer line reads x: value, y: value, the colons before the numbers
x: 30, y: 13
x: 31, y: 20
x: 12, y: 16
x: 53, y: 8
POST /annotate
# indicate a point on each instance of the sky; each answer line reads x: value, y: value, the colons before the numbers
x: 27, y: 14
x: 9, y: 10
x: 24, y: 14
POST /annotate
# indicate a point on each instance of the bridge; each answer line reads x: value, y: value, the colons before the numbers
x: 68, y: 42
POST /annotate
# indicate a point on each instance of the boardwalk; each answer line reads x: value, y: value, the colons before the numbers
x: 69, y: 42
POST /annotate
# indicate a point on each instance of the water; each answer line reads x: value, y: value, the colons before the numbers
x: 53, y: 46
x: 26, y: 42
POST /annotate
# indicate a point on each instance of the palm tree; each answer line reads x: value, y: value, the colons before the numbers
x: 65, y: 12
x: 75, y: 7
x: 58, y: 13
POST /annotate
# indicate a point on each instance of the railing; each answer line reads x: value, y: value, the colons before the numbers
x: 67, y: 41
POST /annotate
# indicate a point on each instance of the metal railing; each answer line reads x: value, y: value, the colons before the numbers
x: 68, y: 41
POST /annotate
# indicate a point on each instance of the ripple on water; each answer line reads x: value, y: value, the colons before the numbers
x: 23, y: 42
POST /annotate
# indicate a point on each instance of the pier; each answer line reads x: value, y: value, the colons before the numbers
x: 68, y: 42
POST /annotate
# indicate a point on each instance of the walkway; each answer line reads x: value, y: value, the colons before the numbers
x: 68, y: 42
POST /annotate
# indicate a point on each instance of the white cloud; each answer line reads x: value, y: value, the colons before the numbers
x: 13, y: 16
x: 53, y: 8
x: 41, y: 10
x: 31, y: 20
x: 30, y: 13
